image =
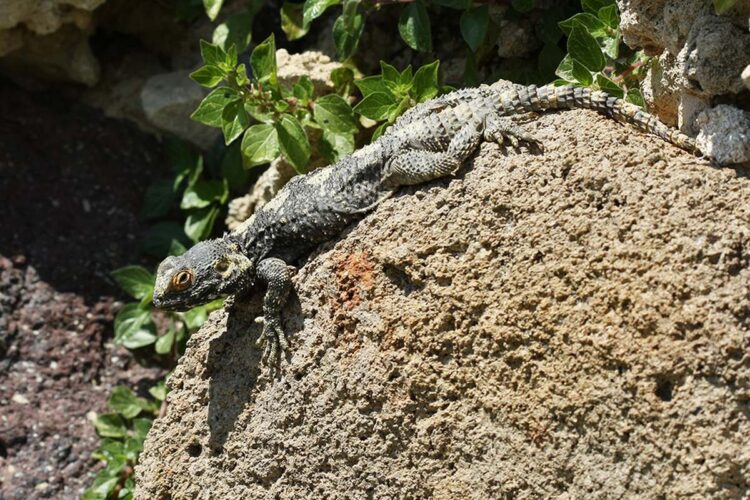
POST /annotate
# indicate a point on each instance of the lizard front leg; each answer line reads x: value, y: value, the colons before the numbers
x: 278, y: 278
x: 418, y: 165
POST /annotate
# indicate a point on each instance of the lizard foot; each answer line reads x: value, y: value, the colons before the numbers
x: 502, y: 130
x: 274, y: 340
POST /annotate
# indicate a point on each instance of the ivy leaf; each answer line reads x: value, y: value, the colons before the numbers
x: 425, y: 83
x: 158, y: 238
x: 134, y: 327
x: 594, y: 5
x: 263, y: 61
x: 347, y: 30
x: 414, y: 26
x: 609, y: 16
x: 158, y: 200
x: 581, y: 74
x: 110, y: 425
x: 234, y: 121
x: 165, y: 342
x: 583, y: 48
x: 199, y: 223
x: 210, y: 110
x: 634, y: 96
x: 303, y: 89
x: 159, y: 392
x: 293, y: 142
x: 135, y: 280
x: 474, y: 23
x: 125, y: 402
x: 380, y: 130
x: 291, y: 21
x: 313, y: 9
x: 203, y: 193
x: 260, y: 145
x: 236, y: 30
x: 334, y: 114
x: 565, y: 69
x: 212, y: 8
x: 343, y: 80
x: 608, y: 86
x: 376, y: 106
x: 592, y: 24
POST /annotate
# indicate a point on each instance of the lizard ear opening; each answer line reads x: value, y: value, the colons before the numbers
x: 222, y: 266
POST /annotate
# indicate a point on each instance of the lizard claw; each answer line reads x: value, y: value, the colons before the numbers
x: 273, y: 339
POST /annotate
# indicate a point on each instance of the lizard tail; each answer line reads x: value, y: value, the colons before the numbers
x: 550, y: 97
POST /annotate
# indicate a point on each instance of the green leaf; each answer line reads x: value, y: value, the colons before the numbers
x: 141, y: 426
x: 589, y: 21
x: 260, y: 145
x: 291, y: 21
x: 609, y: 16
x: 723, y: 6
x: 414, y: 26
x: 634, y: 96
x: 159, y: 391
x: 611, y: 46
x: 236, y: 30
x: 101, y: 490
x: 474, y: 23
x: 398, y: 110
x: 347, y: 30
x: 333, y: 147
x: 581, y: 74
x: 110, y: 425
x: 565, y: 69
x: 595, y: 5
x: 380, y: 130
x: 199, y: 223
x: 372, y: 84
x: 549, y: 59
x: 212, y: 54
x: 425, y: 83
x: 135, y: 280
x: 453, y: 4
x: 334, y: 114
x: 125, y: 402
x: 207, y: 76
x: 583, y: 48
x: 376, y: 106
x: 303, y: 89
x: 158, y: 200
x: 212, y: 8
x: 313, y: 9
x: 608, y: 86
x: 158, y: 238
x: 522, y: 6
x: 134, y: 327
x: 177, y: 248
x: 195, y: 317
x: 343, y: 80
x: 210, y: 110
x: 232, y: 170
x: 293, y: 142
x: 203, y: 193
x: 263, y: 61
x: 165, y: 342
x: 234, y: 121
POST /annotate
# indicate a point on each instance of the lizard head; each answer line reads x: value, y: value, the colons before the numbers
x: 207, y: 271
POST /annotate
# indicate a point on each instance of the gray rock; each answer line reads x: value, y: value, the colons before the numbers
x: 169, y: 99
x: 725, y: 134
x: 559, y: 325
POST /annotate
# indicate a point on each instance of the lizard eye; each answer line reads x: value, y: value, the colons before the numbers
x: 182, y: 280
x: 221, y: 266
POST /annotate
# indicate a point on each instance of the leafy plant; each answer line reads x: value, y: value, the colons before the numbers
x: 596, y: 55
x: 123, y: 431
x: 388, y: 95
x: 723, y: 6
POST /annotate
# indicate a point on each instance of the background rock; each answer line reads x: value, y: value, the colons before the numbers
x: 568, y: 323
x: 701, y: 56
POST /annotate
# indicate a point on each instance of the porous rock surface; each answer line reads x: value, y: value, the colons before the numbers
x: 572, y: 323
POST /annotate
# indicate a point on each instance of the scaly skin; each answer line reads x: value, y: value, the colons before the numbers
x: 429, y: 141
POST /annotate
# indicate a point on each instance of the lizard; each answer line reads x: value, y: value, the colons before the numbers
x: 429, y: 141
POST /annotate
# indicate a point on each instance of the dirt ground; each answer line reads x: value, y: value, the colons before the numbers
x: 71, y: 184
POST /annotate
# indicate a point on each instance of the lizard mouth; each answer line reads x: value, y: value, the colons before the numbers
x: 169, y: 305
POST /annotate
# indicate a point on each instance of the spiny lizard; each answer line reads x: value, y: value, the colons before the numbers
x: 429, y: 141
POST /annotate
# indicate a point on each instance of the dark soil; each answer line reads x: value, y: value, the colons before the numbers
x: 71, y: 185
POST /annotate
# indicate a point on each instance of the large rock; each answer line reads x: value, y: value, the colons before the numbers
x: 574, y: 322
x: 701, y: 55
